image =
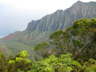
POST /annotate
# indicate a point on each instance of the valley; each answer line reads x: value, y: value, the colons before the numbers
x: 62, y: 32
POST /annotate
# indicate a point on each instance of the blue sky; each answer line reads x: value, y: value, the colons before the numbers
x: 16, y: 14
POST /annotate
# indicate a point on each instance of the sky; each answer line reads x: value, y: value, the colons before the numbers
x: 16, y: 14
x: 42, y: 6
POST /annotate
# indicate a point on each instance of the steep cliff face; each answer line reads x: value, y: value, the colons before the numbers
x: 62, y: 19
x: 82, y: 10
x: 39, y: 30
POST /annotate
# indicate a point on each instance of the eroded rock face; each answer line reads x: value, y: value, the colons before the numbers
x: 39, y: 30
x: 64, y: 18
x: 10, y: 36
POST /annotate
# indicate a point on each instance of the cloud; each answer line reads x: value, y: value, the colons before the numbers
x: 38, y: 4
x: 51, y: 5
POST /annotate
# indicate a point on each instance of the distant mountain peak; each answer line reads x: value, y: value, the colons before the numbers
x: 39, y: 30
x: 79, y: 1
x: 84, y: 2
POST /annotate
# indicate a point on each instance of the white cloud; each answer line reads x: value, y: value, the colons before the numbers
x: 33, y: 5
x: 37, y: 4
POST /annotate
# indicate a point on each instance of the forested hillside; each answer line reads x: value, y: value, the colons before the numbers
x: 40, y: 30
x: 72, y: 50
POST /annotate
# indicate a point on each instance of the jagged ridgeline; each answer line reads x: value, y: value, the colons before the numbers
x: 79, y: 39
x: 39, y: 30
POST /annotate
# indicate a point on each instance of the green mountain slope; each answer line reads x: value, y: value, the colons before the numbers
x: 39, y: 30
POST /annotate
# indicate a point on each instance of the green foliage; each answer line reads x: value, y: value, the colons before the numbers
x: 60, y: 41
x: 14, y: 47
x: 54, y: 64
x: 20, y: 63
x: 68, y: 28
x: 76, y: 39
x: 3, y: 62
x: 25, y: 40
x: 64, y: 63
x: 79, y: 39
x: 77, y: 43
x: 75, y: 32
x: 11, y: 62
x: 66, y: 35
x: 91, y: 68
x: 43, y: 48
x: 93, y: 21
x: 23, y: 54
x: 77, y: 64
x: 56, y: 34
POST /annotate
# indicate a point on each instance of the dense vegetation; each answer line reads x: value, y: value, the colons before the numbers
x: 38, y: 31
x: 78, y: 39
x: 72, y: 50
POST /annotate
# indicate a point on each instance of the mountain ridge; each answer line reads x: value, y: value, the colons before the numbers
x: 62, y: 13
x: 38, y: 31
x: 58, y: 20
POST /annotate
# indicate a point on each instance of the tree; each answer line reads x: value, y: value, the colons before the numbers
x: 54, y: 64
x: 3, y: 62
x: 78, y: 39
x: 60, y: 41
x: 20, y: 63
x: 43, y: 48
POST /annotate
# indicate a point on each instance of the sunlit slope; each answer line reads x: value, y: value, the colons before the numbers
x: 39, y: 30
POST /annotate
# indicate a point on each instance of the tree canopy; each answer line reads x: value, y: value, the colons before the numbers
x: 72, y: 50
